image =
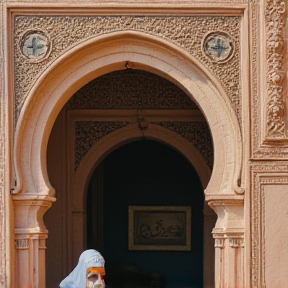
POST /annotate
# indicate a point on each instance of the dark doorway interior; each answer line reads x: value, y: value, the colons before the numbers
x: 144, y: 173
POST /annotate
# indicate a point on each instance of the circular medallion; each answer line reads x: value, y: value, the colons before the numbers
x: 35, y: 45
x: 218, y: 46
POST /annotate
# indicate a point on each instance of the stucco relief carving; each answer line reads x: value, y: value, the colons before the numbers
x: 262, y: 174
x: 35, y: 45
x: 256, y: 118
x: 66, y: 32
x: 197, y: 133
x: 218, y: 46
x: 88, y: 133
x: 274, y: 113
x: 276, y: 70
x: 130, y: 90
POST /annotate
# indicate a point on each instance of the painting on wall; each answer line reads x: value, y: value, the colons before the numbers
x: 159, y: 228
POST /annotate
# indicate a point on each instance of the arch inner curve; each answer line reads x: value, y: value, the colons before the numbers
x: 108, y: 53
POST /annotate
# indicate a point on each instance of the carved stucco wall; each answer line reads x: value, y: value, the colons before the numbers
x: 276, y: 126
x: 87, y: 133
x: 268, y: 96
x: 130, y: 89
x: 63, y: 33
x: 135, y: 89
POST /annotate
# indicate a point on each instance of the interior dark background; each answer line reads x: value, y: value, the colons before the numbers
x: 147, y: 173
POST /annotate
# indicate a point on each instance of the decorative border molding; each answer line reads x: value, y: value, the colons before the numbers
x: 3, y: 165
x: 275, y: 16
x: 261, y: 175
x: 264, y: 148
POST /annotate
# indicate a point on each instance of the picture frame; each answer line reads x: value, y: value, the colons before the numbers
x: 159, y: 228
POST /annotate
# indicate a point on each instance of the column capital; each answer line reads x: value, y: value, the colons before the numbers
x: 28, y: 214
x: 22, y: 244
x: 230, y: 221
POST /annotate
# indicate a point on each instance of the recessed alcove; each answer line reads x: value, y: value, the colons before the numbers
x: 144, y: 173
x: 118, y: 114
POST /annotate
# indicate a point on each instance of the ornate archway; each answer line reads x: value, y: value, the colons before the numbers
x: 87, y: 61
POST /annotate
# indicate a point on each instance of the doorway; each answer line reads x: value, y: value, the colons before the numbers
x: 144, y: 173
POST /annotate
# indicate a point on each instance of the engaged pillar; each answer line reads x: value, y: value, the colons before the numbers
x: 30, y: 239
x: 229, y: 242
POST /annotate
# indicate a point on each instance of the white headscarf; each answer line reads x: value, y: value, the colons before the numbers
x: 77, y: 278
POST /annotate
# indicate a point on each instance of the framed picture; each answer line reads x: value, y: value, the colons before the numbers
x: 159, y: 228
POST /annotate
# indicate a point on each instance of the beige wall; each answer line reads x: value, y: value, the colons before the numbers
x: 275, y: 217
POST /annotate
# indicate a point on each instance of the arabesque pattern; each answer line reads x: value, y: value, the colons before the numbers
x: 275, y: 24
x: 66, y: 32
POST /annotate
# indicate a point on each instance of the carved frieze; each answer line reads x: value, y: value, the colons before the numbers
x: 130, y: 89
x: 197, y: 133
x: 87, y: 133
x: 67, y: 31
x: 276, y: 70
x: 274, y: 110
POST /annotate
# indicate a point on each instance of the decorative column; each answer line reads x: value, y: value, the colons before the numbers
x: 30, y: 239
x: 229, y: 242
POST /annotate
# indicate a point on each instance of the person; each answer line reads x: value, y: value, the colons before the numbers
x: 88, y: 273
